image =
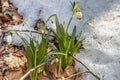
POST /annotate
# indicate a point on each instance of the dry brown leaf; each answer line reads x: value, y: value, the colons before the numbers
x: 14, y: 75
x: 42, y: 77
x: 6, y: 17
x: 16, y: 17
x: 1, y: 15
x: 1, y: 76
x: 69, y: 70
x: 12, y: 66
x: 39, y: 23
x: 1, y: 49
x: 8, y: 14
x: 53, y: 68
x: 11, y: 6
x: 62, y: 74
x: 14, y: 62
x: 4, y: 3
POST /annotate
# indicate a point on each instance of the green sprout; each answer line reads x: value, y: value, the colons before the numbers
x: 67, y: 44
x: 35, y: 53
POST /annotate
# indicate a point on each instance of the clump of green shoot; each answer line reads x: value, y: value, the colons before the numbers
x: 67, y: 44
x: 35, y: 52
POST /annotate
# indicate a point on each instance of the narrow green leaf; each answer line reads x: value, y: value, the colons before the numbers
x: 73, y: 37
x: 53, y: 47
x: 77, y: 46
x: 56, y: 53
x: 32, y: 45
x: 29, y: 51
x: 50, y: 17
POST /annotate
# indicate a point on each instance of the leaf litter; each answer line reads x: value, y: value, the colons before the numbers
x: 13, y: 66
x: 8, y: 14
x: 12, y: 62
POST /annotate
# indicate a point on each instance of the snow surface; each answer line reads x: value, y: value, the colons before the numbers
x: 102, y: 47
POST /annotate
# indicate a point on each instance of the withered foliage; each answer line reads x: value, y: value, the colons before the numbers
x: 8, y: 14
x: 12, y: 62
x: 51, y: 72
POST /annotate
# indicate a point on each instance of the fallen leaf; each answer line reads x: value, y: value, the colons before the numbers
x: 8, y: 14
x: 16, y: 17
x: 14, y: 75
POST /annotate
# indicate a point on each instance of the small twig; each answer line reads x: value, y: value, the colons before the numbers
x: 80, y: 62
x: 6, y: 30
x: 24, y: 76
x: 73, y: 75
x: 85, y: 67
x: 1, y: 37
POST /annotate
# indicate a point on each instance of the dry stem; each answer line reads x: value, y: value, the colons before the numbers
x: 88, y: 70
x: 6, y: 31
x: 73, y: 75
x: 1, y: 38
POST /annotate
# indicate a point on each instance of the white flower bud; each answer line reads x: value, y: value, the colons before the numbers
x: 9, y: 39
x: 54, y: 61
x: 54, y: 26
x: 78, y: 15
x: 42, y: 31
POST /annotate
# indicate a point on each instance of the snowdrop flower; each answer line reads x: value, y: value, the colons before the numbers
x: 54, y: 26
x: 42, y: 31
x: 54, y: 61
x: 78, y: 15
x: 9, y: 39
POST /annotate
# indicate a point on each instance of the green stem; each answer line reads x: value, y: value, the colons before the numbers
x: 33, y: 75
x: 69, y: 22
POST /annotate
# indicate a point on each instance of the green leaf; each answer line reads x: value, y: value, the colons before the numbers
x: 32, y: 45
x: 34, y: 40
x: 76, y: 6
x: 77, y: 46
x: 30, y: 58
x: 42, y: 48
x: 50, y: 17
x: 73, y: 37
x: 53, y: 47
x: 58, y: 29
x: 40, y: 69
x: 56, y: 53
x: 29, y: 52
